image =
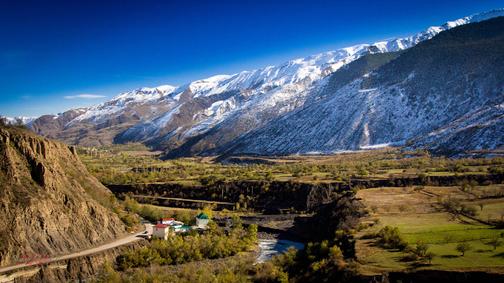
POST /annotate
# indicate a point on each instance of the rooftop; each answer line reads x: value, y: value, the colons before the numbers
x: 202, y: 216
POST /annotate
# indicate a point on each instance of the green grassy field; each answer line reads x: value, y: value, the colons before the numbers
x: 428, y: 224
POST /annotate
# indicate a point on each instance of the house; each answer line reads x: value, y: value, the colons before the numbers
x: 167, y: 221
x: 202, y: 220
x: 177, y: 223
x: 161, y: 231
x: 181, y: 228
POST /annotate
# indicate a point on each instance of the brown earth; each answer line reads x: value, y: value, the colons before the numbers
x: 50, y: 204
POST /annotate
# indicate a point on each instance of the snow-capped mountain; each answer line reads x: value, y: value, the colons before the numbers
x: 20, y: 120
x: 206, y: 114
x: 445, y: 94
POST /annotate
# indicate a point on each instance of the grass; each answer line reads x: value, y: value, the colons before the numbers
x: 481, y: 257
x: 425, y: 222
x: 492, y: 210
x: 438, y: 228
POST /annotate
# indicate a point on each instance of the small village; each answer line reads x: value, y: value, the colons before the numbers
x: 167, y: 227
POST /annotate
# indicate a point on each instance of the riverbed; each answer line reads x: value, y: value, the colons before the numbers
x: 271, y: 247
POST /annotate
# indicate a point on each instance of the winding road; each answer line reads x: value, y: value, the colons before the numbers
x: 119, y: 242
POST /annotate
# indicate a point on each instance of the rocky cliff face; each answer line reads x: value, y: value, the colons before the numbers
x: 49, y: 203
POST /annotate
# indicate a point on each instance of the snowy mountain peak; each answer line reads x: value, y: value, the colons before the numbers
x: 20, y: 120
x: 144, y: 94
x: 202, y: 87
x: 299, y: 70
x: 252, y: 98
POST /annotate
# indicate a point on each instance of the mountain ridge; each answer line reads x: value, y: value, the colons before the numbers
x: 401, y: 100
x: 211, y: 112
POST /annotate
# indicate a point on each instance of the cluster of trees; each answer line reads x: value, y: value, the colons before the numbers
x: 235, y: 269
x: 420, y: 253
x: 454, y: 206
x: 216, y: 243
x: 147, y: 212
x: 319, y: 262
x: 496, y: 169
x: 153, y: 214
x: 114, y: 166
x: 322, y: 261
x: 464, y: 247
x: 390, y: 238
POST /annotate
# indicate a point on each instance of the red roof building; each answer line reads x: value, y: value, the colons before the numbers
x: 160, y: 226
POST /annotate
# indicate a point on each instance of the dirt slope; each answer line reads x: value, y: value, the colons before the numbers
x: 49, y: 203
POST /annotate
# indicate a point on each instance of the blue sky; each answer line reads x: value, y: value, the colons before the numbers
x: 56, y: 55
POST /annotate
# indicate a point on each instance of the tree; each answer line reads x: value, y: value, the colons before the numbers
x: 429, y: 256
x: 390, y: 238
x: 463, y: 248
x: 208, y: 210
x: 421, y: 249
x: 109, y: 274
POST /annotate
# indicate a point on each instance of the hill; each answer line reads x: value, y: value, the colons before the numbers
x: 49, y: 202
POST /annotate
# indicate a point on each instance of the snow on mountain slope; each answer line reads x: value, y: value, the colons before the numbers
x: 143, y: 95
x: 480, y: 129
x: 20, y: 119
x: 208, y: 113
x: 272, y: 91
x: 427, y: 87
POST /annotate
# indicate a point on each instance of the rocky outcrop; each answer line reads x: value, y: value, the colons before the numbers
x: 268, y: 197
x: 278, y: 196
x: 49, y: 203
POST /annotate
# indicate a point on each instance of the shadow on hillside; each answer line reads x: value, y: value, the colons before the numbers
x: 449, y: 256
x: 499, y: 255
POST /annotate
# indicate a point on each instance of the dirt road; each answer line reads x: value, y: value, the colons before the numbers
x: 119, y: 242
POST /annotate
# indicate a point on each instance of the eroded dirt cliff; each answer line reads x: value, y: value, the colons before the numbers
x: 49, y: 203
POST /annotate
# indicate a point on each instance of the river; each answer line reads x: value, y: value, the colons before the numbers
x: 271, y: 247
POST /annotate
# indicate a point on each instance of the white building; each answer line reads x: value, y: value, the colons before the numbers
x: 167, y: 221
x: 161, y: 231
x: 202, y: 220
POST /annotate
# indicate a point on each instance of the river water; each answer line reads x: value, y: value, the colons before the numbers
x: 271, y: 247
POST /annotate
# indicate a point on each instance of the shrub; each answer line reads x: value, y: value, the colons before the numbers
x: 129, y: 219
x: 429, y: 256
x: 463, y: 248
x: 390, y: 238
